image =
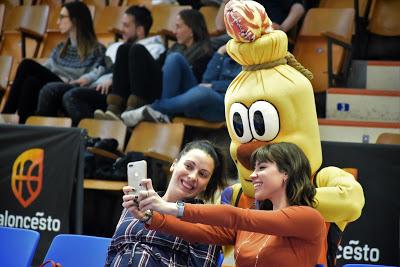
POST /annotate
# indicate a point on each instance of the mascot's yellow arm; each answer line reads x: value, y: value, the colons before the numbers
x: 339, y: 198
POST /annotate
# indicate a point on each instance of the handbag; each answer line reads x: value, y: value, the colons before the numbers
x: 50, y: 263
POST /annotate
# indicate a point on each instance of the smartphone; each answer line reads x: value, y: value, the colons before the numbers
x: 137, y: 170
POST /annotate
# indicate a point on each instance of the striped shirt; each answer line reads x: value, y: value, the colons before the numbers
x: 134, y: 245
x: 72, y: 67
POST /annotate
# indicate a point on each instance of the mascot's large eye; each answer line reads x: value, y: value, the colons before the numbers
x: 239, y: 120
x: 264, y: 121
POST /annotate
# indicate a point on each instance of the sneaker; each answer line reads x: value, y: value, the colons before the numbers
x: 133, y: 117
x: 151, y: 114
x: 111, y: 116
x: 99, y: 114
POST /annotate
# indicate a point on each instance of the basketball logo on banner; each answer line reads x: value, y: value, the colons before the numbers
x: 27, y: 176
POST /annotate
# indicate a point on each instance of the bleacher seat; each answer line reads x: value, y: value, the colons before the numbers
x: 384, y: 18
x: 5, y: 70
x: 146, y: 3
x: 388, y: 138
x: 49, y: 121
x: 9, y: 118
x: 209, y: 13
x: 31, y: 21
x: 105, y: 129
x: 2, y: 14
x: 362, y: 5
x: 78, y: 250
x: 108, y: 23
x: 157, y: 140
x: 17, y: 246
x: 311, y: 48
x: 161, y: 142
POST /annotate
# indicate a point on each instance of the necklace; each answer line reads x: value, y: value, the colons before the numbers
x: 247, y: 241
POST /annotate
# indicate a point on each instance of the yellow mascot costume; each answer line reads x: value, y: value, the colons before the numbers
x: 272, y: 100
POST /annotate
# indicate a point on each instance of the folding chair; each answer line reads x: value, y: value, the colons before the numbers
x: 209, y: 13
x: 361, y: 10
x: 78, y: 250
x: 220, y: 259
x: 159, y: 141
x: 384, y: 18
x: 321, y: 44
x: 5, y: 70
x: 24, y: 29
x: 146, y: 3
x: 24, y: 22
x: 105, y: 129
x: 108, y: 23
x: 17, y: 246
x: 12, y: 3
x: 9, y: 118
x: 388, y: 138
x: 2, y: 13
x: 49, y: 121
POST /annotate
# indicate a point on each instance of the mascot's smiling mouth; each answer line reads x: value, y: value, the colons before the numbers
x: 244, y: 152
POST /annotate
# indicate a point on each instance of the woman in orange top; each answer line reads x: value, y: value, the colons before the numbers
x: 285, y: 231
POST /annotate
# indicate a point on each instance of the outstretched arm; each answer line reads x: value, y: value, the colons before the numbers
x: 192, y: 232
x: 295, y: 221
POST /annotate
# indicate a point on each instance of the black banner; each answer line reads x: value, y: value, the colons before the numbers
x: 41, y: 172
x: 374, y: 237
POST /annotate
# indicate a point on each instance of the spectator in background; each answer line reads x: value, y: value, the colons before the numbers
x: 284, y: 14
x: 202, y: 101
x: 79, y: 60
x: 147, y: 78
x: 80, y: 102
x: 197, y: 172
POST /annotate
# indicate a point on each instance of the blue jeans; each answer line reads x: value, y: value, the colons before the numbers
x: 198, y: 102
x: 178, y: 76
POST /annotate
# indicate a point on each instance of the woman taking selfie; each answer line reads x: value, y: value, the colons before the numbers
x: 197, y: 172
x: 288, y: 235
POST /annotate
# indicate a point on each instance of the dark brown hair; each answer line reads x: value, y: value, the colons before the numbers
x: 86, y: 39
x: 142, y: 17
x: 195, y: 21
x: 290, y: 159
x: 218, y: 177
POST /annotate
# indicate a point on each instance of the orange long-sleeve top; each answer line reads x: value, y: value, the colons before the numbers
x: 288, y: 237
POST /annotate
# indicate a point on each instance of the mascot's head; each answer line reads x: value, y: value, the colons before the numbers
x: 269, y: 101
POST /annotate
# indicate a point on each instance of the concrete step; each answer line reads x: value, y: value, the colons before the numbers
x: 363, y: 105
x: 354, y: 131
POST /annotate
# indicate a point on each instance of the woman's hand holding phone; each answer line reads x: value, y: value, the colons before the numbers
x: 130, y: 202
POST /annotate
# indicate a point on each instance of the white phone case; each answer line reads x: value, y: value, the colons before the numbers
x: 137, y: 170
